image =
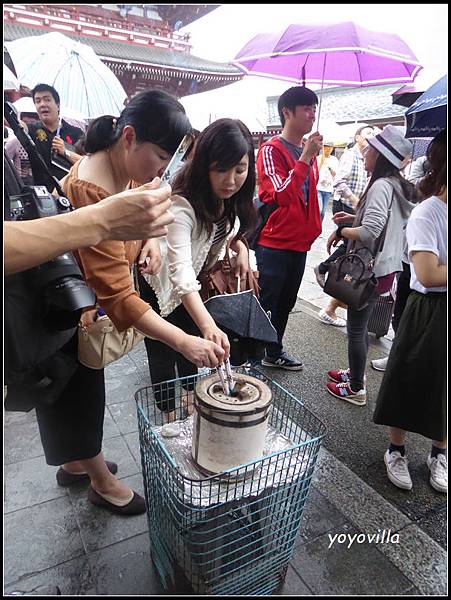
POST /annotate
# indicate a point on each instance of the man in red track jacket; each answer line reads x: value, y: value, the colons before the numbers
x: 287, y: 175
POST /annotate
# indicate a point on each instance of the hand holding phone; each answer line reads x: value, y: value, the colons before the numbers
x: 182, y: 150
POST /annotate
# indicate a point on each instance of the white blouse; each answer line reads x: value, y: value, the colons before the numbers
x: 183, y: 253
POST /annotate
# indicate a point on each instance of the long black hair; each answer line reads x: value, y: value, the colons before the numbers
x: 155, y: 115
x: 384, y: 168
x: 435, y: 179
x: 220, y: 146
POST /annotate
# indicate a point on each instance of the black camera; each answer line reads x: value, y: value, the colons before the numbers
x: 35, y: 202
x: 60, y: 281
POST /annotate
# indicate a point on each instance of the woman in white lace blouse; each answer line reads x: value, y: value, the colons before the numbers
x: 211, y: 193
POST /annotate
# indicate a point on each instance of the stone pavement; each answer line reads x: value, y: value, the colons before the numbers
x: 56, y: 541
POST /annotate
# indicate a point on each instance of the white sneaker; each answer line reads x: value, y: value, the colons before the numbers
x: 380, y: 364
x: 438, y: 468
x: 324, y: 317
x: 398, y: 470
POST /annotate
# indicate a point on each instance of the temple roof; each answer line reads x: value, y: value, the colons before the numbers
x: 350, y: 104
x: 123, y: 52
x: 186, y: 13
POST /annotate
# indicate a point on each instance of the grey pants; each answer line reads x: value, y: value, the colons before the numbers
x: 357, y: 327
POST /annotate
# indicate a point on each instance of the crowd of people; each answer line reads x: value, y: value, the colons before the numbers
x: 169, y: 237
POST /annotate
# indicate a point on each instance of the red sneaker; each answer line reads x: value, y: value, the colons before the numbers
x: 342, y: 375
x: 344, y: 392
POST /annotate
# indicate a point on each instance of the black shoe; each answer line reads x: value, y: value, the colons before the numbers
x: 65, y: 479
x: 283, y: 362
x: 136, y: 506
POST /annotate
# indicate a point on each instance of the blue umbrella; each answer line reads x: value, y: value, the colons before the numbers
x: 427, y: 115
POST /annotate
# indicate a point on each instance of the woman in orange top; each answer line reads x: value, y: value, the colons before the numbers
x: 136, y: 146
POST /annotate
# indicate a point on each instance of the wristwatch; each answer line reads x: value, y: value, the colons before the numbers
x: 67, y: 154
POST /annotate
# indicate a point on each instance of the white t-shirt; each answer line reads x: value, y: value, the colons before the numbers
x: 426, y: 230
x: 326, y: 179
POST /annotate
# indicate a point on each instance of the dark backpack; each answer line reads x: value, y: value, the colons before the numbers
x: 264, y: 211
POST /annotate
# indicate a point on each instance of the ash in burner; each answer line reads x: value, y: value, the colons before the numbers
x: 242, y: 391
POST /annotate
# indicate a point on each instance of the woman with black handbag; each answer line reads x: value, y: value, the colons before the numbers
x: 211, y: 192
x: 376, y: 236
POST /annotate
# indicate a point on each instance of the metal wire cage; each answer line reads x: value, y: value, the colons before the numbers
x: 233, y: 536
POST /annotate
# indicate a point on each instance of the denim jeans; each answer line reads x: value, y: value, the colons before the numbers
x: 323, y: 200
x: 280, y: 275
x: 357, y: 328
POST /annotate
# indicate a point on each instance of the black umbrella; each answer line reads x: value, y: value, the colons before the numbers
x: 406, y: 95
x: 243, y: 319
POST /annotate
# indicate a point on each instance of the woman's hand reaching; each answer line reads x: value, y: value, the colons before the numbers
x: 150, y: 258
x: 201, y: 352
x: 343, y: 218
x: 332, y: 241
x: 216, y: 335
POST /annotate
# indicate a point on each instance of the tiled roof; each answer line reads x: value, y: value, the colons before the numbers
x: 133, y: 52
x: 348, y: 104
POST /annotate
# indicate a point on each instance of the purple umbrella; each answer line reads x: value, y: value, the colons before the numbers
x: 339, y: 54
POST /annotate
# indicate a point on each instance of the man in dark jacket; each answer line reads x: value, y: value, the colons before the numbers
x: 288, y: 174
x: 54, y: 138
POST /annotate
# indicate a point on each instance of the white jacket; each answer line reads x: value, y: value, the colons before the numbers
x: 183, y: 254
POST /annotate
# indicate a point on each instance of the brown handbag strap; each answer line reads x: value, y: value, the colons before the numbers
x: 134, y: 276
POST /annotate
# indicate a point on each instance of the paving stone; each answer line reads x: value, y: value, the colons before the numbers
x: 125, y: 416
x: 29, y: 483
x: 422, y: 560
x: 100, y: 528
x: 122, y: 379
x: 358, y: 570
x: 116, y: 450
x: 126, y: 568
x: 432, y: 523
x: 22, y: 441
x: 132, y: 441
x: 293, y: 586
x: 40, y: 537
x: 110, y: 428
x: 18, y: 417
x: 70, y: 578
x: 354, y: 498
x: 319, y: 517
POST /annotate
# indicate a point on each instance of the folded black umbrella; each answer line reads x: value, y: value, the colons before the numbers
x: 243, y: 319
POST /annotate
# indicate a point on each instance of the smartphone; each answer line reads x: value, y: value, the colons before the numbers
x: 182, y: 150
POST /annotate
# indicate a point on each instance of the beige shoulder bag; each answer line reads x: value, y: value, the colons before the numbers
x: 101, y: 343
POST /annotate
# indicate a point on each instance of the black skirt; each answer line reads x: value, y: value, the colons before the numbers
x: 72, y: 428
x: 412, y: 395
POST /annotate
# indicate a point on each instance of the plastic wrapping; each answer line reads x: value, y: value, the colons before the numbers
x: 273, y: 469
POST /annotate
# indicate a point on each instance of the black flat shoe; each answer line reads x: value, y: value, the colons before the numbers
x: 65, y: 479
x: 136, y: 506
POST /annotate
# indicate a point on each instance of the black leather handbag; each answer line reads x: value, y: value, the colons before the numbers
x: 351, y: 279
